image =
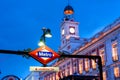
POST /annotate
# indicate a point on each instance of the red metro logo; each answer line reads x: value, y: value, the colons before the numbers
x: 44, y: 54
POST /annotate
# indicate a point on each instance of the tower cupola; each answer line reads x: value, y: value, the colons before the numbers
x: 68, y: 10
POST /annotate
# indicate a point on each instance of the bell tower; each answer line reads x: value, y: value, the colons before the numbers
x: 69, y: 31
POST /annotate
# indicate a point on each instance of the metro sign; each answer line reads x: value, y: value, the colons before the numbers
x: 44, y: 54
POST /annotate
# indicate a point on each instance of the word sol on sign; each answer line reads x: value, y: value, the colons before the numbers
x: 36, y: 68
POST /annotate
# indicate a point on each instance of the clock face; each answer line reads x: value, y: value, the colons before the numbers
x: 63, y: 31
x: 72, y: 30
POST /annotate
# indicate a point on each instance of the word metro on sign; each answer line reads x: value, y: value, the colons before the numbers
x: 44, y: 54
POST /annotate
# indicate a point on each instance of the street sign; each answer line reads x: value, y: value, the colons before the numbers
x: 36, y: 68
x: 44, y: 54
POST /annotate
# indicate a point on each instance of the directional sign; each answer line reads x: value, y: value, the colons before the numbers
x: 44, y: 54
x: 36, y: 68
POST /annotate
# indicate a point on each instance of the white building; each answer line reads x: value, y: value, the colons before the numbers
x: 105, y: 43
x: 34, y: 76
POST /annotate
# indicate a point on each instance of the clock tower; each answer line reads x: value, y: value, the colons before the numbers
x: 69, y: 31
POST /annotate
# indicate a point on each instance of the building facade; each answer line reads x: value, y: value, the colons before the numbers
x: 105, y: 44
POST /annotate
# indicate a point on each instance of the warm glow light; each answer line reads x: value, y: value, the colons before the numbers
x: 41, y: 43
x: 81, y: 67
x: 104, y: 75
x: 102, y: 55
x: 114, y: 51
x: 68, y: 12
x: 93, y: 62
x: 116, y: 71
x: 86, y: 64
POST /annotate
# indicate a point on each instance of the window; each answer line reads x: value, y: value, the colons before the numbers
x: 57, y: 75
x: 63, y: 73
x: 114, y: 51
x: 93, y: 64
x: 75, y: 68
x: 63, y: 32
x: 53, y: 76
x: 68, y: 71
x: 50, y: 77
x: 68, y: 47
x: 104, y: 75
x: 44, y: 78
x: 116, y: 72
x: 80, y: 66
x: 87, y: 64
x: 63, y: 42
x: 93, y: 61
x: 102, y: 55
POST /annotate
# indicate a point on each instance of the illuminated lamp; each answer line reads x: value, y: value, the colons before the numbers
x: 68, y: 10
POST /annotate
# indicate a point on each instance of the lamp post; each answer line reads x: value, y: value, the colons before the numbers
x: 46, y: 33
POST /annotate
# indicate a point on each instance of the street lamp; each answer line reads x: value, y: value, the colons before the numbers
x: 46, y: 33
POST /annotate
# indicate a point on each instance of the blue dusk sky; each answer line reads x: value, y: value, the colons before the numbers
x: 21, y: 22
